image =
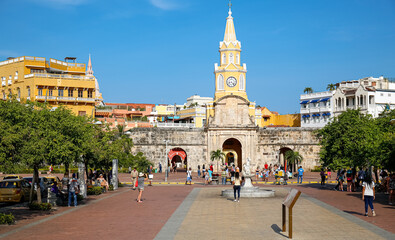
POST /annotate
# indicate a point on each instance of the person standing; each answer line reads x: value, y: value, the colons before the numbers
x: 391, y: 187
x: 198, y: 170
x: 224, y: 175
x: 237, y: 186
x: 189, y: 177
x: 361, y: 176
x: 368, y: 194
x: 140, y: 182
x: 266, y: 166
x: 150, y: 175
x: 270, y: 169
x: 210, y: 174
x: 323, y: 177
x: 134, y: 174
x: 160, y: 168
x: 204, y: 170
x: 300, y: 174
x: 349, y: 179
x: 74, y: 189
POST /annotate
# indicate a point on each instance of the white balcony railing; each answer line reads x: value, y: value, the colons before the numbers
x: 60, y: 76
x: 9, y: 82
x: 86, y: 99
x: 3, y: 83
x: 180, y: 125
x: 66, y: 99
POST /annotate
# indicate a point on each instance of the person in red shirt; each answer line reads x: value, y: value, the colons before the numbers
x: 212, y: 168
x: 266, y: 166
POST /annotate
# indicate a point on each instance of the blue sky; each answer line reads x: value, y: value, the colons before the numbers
x: 163, y: 51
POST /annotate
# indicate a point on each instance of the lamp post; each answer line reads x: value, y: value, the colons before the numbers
x: 166, y: 162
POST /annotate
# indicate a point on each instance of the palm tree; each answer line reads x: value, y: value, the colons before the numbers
x: 308, y: 90
x: 217, y: 155
x: 331, y: 87
x: 293, y: 157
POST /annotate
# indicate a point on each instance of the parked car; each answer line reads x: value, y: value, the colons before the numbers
x: 14, y: 190
x: 43, y: 185
x: 12, y: 176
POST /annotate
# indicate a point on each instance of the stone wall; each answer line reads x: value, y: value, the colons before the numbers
x: 269, y: 142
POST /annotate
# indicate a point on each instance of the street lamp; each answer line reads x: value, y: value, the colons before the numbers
x: 166, y: 162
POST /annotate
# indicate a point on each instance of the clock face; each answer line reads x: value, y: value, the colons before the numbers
x: 231, y: 81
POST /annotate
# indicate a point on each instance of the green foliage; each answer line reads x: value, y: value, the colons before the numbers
x: 293, y: 157
x: 331, y: 87
x: 217, y: 155
x: 40, y: 206
x: 80, y: 197
x: 94, y: 191
x: 356, y: 139
x: 7, y: 219
x: 308, y: 90
x: 111, y: 187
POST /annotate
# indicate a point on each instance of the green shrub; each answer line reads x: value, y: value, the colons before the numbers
x: 80, y: 197
x: 111, y: 187
x: 40, y: 206
x: 94, y: 191
x: 316, y: 169
x: 7, y: 218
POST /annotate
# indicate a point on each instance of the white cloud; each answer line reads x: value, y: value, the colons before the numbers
x: 166, y: 4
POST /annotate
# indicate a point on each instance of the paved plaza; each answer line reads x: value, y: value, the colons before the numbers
x: 199, y: 212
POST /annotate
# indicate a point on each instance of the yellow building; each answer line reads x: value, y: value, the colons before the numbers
x: 57, y: 82
x: 230, y: 75
x: 273, y: 119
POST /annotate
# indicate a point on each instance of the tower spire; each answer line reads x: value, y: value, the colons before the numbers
x: 230, y: 33
x: 89, y: 71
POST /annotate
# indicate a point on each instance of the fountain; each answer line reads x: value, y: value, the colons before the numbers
x: 248, y: 190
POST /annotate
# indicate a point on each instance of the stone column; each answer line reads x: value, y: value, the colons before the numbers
x: 114, y: 179
x: 81, y: 179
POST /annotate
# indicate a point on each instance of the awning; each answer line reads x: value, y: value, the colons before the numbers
x: 314, y: 101
x: 324, y: 99
x: 304, y: 102
x: 317, y: 115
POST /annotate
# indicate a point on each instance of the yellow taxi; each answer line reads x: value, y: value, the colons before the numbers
x: 14, y: 190
x: 12, y: 176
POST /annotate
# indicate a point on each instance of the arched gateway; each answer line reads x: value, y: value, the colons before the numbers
x: 232, y: 149
x: 231, y: 124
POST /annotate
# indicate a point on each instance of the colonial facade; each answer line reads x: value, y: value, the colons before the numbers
x: 57, y: 82
x: 370, y: 95
x: 232, y: 125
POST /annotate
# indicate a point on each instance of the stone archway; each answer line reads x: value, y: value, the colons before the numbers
x: 232, y: 148
x: 289, y: 166
x: 178, y: 156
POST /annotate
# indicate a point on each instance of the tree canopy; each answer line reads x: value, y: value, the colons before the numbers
x: 356, y: 139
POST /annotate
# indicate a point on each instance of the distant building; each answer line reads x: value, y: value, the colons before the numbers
x: 57, y: 82
x: 274, y: 119
x: 370, y: 95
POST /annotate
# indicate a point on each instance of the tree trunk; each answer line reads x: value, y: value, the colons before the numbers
x: 86, y: 170
x: 66, y: 170
x: 375, y: 174
x: 36, y: 181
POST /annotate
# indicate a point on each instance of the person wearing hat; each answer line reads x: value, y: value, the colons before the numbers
x: 140, y: 187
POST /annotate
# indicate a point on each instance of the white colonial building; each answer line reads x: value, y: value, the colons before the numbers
x: 370, y: 95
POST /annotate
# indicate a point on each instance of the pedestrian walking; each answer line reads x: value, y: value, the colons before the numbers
x: 134, y: 174
x: 300, y: 174
x: 204, y: 171
x: 349, y: 179
x: 368, y: 194
x: 237, y: 186
x: 257, y: 170
x: 160, y: 168
x: 206, y: 178
x: 189, y: 177
x: 198, y: 170
x: 74, y: 189
x: 140, y: 182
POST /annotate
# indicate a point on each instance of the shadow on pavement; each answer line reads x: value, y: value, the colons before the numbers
x: 277, y: 229
x: 353, y: 212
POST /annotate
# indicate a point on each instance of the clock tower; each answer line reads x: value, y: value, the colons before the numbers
x: 230, y: 74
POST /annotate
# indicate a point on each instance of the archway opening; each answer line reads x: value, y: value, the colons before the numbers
x: 233, y: 152
x: 288, y: 164
x: 178, y: 158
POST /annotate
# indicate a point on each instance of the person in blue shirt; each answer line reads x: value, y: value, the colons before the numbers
x: 300, y: 174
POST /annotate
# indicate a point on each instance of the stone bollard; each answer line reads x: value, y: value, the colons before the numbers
x: 114, y: 179
x: 81, y: 179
